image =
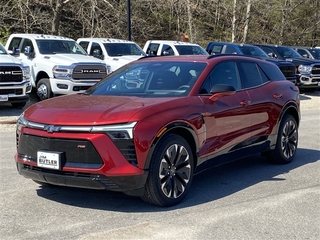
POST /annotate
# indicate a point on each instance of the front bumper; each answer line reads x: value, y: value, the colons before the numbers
x: 63, y: 87
x: 88, y: 160
x: 309, y: 81
x: 131, y: 185
x: 16, y: 93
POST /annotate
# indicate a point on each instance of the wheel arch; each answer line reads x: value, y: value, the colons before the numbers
x: 179, y: 128
x: 291, y: 109
x: 41, y: 75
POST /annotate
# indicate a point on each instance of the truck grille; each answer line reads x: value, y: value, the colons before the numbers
x: 315, y: 69
x: 96, y: 72
x: 10, y: 74
x: 288, y: 71
x: 78, y: 153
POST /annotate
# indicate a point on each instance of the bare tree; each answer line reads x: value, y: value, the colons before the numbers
x: 247, y: 21
x: 234, y: 21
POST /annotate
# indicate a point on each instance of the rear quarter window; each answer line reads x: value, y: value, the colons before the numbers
x: 272, y: 71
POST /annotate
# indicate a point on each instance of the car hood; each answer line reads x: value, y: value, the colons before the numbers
x: 302, y: 61
x: 4, y: 58
x: 119, y: 61
x: 80, y: 109
x: 68, y: 59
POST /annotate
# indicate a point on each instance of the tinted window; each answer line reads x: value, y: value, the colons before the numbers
x: 273, y: 72
x: 215, y: 49
x: 302, y: 52
x: 223, y: 73
x: 268, y: 50
x: 230, y: 50
x: 95, y: 46
x: 84, y: 45
x: 15, y: 43
x: 167, y: 50
x: 153, y: 48
x: 252, y: 75
x: 190, y: 50
x: 27, y: 43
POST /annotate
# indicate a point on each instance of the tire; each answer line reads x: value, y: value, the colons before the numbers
x: 18, y: 104
x: 44, y: 89
x: 170, y: 172
x: 287, y: 142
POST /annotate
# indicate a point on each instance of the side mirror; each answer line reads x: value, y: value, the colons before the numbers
x: 305, y: 55
x: 221, y: 90
x: 97, y: 53
x: 272, y: 55
x: 165, y: 53
x: 15, y: 52
x: 28, y: 52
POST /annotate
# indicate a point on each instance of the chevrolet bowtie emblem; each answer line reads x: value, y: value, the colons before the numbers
x: 51, y: 128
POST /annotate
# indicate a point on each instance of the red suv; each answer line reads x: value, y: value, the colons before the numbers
x: 147, y: 128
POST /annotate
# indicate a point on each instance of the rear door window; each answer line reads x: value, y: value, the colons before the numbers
x: 252, y: 75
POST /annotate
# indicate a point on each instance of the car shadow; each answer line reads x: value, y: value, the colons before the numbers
x: 207, y: 186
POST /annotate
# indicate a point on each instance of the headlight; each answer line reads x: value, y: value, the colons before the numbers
x: 108, y: 69
x: 117, y: 131
x: 305, y: 69
x: 22, y: 121
x: 26, y: 72
x: 62, y: 72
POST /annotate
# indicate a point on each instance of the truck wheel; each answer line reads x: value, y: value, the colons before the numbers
x: 18, y: 104
x: 170, y: 172
x: 44, y: 89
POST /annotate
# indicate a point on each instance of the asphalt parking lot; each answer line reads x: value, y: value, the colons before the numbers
x: 248, y: 199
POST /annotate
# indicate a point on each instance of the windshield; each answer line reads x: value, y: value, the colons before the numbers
x: 122, y: 49
x: 55, y: 46
x: 253, y: 51
x: 286, y: 52
x: 150, y: 79
x: 315, y: 53
x: 190, y: 50
x: 2, y: 50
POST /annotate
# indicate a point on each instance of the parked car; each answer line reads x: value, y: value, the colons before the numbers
x: 166, y: 47
x: 287, y: 68
x: 147, y: 128
x: 15, y: 83
x: 308, y: 52
x: 115, y: 52
x: 58, y: 64
x: 308, y: 70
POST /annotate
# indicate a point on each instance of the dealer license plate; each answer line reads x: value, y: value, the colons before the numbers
x: 4, y: 98
x: 48, y: 159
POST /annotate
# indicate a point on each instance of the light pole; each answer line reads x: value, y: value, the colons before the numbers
x: 129, y: 19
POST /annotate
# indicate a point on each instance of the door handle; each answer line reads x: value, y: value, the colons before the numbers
x: 277, y: 95
x: 245, y: 102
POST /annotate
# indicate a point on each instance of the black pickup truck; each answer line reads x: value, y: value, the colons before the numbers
x: 308, y: 70
x: 287, y: 68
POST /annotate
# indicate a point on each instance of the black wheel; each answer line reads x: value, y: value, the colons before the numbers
x: 287, y: 141
x: 170, y: 172
x: 44, y: 89
x: 18, y: 104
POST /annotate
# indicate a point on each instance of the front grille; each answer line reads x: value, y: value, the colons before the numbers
x: 288, y: 71
x: 315, y: 69
x: 77, y: 153
x: 10, y: 74
x: 82, y: 72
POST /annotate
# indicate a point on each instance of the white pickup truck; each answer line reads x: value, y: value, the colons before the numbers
x: 115, y: 52
x: 58, y: 64
x: 167, y: 47
x: 15, y: 83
